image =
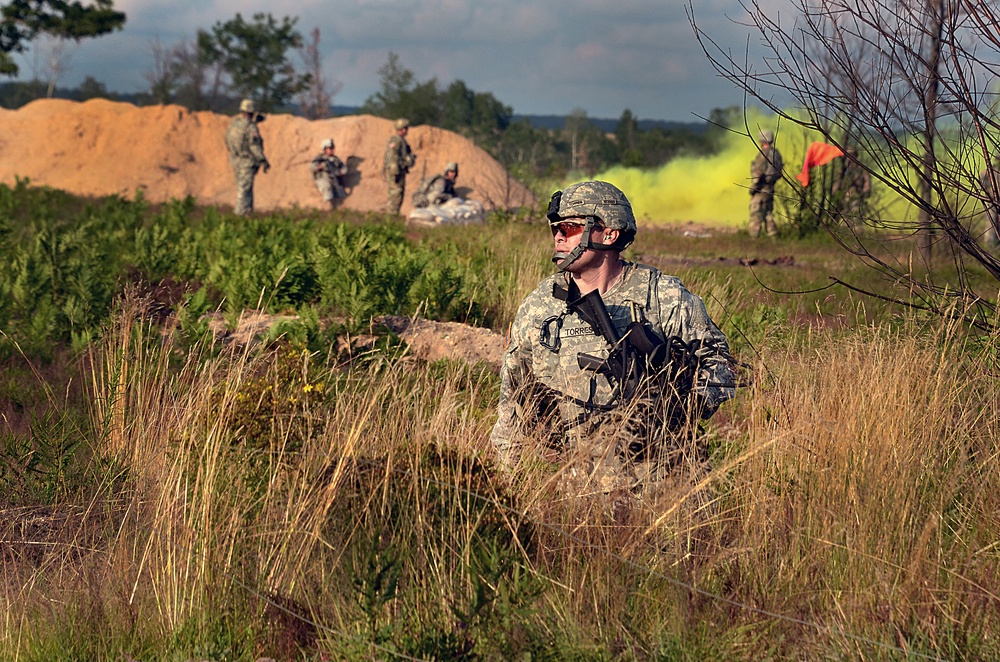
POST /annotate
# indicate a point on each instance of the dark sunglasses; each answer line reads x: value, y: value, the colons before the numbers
x: 568, y: 229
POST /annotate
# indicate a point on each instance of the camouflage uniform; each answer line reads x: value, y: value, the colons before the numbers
x: 987, y: 177
x: 544, y: 388
x: 438, y: 190
x: 854, y: 184
x: 399, y: 158
x: 327, y: 172
x: 246, y: 156
x: 765, y: 171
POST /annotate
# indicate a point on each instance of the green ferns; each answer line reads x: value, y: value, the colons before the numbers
x: 65, y: 264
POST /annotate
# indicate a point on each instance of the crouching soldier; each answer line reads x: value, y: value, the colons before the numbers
x: 610, y: 364
x: 438, y: 189
x: 327, y: 171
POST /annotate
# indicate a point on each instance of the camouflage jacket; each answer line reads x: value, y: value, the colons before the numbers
x: 765, y: 170
x: 327, y: 166
x: 546, y: 338
x: 399, y: 158
x: 246, y: 147
x: 987, y: 177
x: 434, y: 191
x: 852, y: 180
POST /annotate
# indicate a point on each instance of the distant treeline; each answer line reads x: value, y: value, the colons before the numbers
x: 533, y: 147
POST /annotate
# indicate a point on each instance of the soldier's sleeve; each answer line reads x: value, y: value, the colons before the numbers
x: 256, y: 145
x: 514, y: 372
x: 392, y: 157
x: 684, y: 315
x: 437, y: 194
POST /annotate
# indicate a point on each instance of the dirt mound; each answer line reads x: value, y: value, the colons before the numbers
x: 102, y: 147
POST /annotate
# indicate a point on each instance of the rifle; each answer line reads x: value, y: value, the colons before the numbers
x: 630, y: 355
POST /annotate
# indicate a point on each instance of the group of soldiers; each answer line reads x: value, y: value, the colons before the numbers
x: 246, y: 156
x: 850, y: 188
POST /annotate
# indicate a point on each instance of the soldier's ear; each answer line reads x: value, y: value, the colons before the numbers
x: 610, y: 236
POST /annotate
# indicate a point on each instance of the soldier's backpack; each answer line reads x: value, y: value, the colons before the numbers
x: 420, y: 198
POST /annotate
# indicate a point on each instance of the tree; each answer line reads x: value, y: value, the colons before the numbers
x: 401, y: 96
x: 23, y: 20
x: 907, y: 83
x: 91, y: 88
x: 314, y: 100
x: 627, y: 138
x: 163, y: 77
x: 254, y: 56
x: 395, y: 81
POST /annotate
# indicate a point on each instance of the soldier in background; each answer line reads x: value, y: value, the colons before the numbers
x: 327, y: 170
x: 399, y: 158
x: 246, y: 154
x: 438, y: 189
x: 989, y: 179
x: 614, y: 440
x: 851, y: 187
x: 765, y: 171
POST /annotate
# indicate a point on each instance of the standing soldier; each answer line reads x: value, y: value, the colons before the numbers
x: 327, y: 170
x: 399, y: 158
x: 765, y: 171
x: 989, y: 179
x: 609, y: 362
x: 246, y: 154
x: 852, y: 184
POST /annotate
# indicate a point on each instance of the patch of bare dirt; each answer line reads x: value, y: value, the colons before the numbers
x: 661, y: 261
x: 432, y: 340
x: 426, y: 339
x: 102, y: 147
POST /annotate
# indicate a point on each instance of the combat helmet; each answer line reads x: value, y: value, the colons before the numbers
x: 402, y: 123
x: 766, y: 136
x: 600, y: 204
x: 247, y: 106
x: 451, y: 167
x: 326, y: 143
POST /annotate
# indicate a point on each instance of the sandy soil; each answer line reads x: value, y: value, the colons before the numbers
x: 102, y: 147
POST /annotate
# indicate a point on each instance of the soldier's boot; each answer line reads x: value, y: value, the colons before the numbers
x: 772, y: 229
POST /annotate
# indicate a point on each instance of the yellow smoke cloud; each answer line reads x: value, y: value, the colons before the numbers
x: 713, y: 190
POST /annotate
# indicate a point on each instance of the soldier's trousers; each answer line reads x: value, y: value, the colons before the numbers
x: 990, y: 239
x: 397, y: 186
x: 244, y: 175
x: 761, y: 208
x: 330, y: 189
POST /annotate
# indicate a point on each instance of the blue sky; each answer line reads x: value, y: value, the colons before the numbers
x: 541, y: 57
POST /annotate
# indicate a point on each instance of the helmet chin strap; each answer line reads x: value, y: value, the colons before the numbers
x: 564, y: 260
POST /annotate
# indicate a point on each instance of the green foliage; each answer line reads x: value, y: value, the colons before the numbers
x: 477, y: 115
x: 255, y: 57
x: 23, y: 20
x: 67, y: 265
x: 44, y: 465
x: 375, y: 580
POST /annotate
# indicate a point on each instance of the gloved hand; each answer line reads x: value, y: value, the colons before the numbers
x: 266, y: 166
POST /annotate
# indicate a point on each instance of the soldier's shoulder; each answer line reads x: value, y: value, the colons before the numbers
x: 540, y: 298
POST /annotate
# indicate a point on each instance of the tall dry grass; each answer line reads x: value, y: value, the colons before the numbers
x: 260, y: 502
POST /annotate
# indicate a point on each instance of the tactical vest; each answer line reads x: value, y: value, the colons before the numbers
x: 420, y: 198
